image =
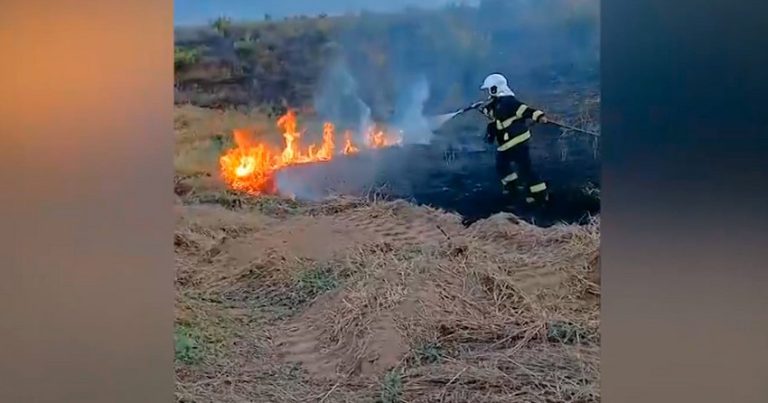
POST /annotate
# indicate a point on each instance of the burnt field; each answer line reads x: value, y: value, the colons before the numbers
x: 459, y: 176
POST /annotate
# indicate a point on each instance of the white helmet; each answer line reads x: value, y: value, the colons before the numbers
x: 496, y: 85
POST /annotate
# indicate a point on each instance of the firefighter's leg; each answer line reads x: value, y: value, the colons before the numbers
x: 536, y: 189
x: 507, y: 175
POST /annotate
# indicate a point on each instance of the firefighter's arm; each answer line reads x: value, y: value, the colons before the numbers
x: 485, y: 108
x: 486, y: 112
x: 525, y: 111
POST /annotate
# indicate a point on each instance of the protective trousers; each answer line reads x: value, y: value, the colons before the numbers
x: 521, y: 177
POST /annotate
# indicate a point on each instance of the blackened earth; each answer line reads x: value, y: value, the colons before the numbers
x: 460, y: 176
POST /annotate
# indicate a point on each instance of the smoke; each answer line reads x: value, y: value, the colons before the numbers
x: 409, y: 116
x: 342, y: 176
x: 409, y: 69
x: 396, y: 68
x: 337, y: 100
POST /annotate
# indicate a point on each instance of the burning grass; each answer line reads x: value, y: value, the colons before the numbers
x: 350, y: 300
x: 242, y: 151
x: 251, y: 164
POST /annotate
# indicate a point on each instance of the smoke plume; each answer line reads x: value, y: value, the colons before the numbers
x: 409, y: 116
x: 337, y: 100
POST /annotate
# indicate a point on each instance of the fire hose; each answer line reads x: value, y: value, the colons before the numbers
x: 444, y: 118
x: 576, y: 129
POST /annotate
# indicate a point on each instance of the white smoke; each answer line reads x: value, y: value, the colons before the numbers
x: 337, y: 101
x: 409, y: 113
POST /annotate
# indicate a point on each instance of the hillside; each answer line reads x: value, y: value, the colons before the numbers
x: 540, y: 45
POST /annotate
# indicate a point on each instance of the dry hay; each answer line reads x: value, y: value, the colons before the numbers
x: 349, y: 301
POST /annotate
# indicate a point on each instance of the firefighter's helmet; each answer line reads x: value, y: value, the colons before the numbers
x: 496, y: 85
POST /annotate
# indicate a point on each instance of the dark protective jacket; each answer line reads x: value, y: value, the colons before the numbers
x: 508, y: 115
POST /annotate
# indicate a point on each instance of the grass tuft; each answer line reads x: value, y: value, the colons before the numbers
x: 429, y: 353
x: 312, y: 283
x: 392, y: 387
x: 187, y: 346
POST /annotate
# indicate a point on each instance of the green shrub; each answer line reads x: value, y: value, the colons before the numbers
x: 187, y: 346
x: 222, y: 25
x: 184, y: 57
x: 392, y: 387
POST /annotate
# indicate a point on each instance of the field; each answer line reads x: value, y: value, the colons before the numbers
x: 372, y: 296
x: 369, y: 300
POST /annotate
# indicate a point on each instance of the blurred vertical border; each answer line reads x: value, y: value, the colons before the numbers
x: 86, y: 248
x: 684, y: 201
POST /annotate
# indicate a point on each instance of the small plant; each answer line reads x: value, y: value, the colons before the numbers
x: 245, y: 47
x: 566, y: 333
x: 221, y: 143
x: 429, y: 353
x: 392, y: 387
x: 314, y: 282
x: 187, y: 347
x: 275, y: 206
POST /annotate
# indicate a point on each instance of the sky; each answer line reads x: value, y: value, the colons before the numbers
x: 196, y: 12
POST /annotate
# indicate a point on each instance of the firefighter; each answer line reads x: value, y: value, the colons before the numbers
x: 509, y: 129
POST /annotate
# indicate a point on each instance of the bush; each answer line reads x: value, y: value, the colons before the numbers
x: 185, y: 57
x: 222, y: 25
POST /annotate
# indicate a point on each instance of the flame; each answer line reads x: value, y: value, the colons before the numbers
x: 250, y: 166
x: 328, y: 147
x: 292, y: 153
x: 379, y: 139
x: 349, y: 148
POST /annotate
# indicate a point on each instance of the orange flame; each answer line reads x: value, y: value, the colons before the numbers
x: 250, y: 166
x: 349, y: 148
x: 379, y: 139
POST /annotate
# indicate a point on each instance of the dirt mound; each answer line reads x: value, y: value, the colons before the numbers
x: 349, y: 300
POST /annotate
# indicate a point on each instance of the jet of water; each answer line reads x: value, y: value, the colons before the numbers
x: 436, y: 122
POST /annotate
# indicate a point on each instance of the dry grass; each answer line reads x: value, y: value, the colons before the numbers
x: 201, y: 135
x: 506, y: 311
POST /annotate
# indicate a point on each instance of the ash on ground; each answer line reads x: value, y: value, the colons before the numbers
x: 458, y: 174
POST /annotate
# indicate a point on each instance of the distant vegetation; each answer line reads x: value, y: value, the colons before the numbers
x: 185, y: 57
x: 277, y: 63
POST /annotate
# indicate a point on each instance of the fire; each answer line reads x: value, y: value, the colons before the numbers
x: 250, y: 166
x: 380, y: 139
x: 328, y: 147
x: 349, y: 148
x: 292, y: 152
